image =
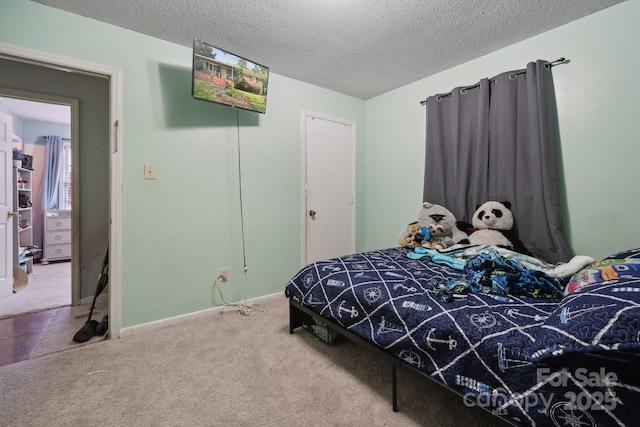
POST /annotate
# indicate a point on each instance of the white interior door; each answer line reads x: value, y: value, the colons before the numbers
x: 330, y: 187
x: 6, y: 206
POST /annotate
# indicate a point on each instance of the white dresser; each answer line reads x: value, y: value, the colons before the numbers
x: 57, y: 236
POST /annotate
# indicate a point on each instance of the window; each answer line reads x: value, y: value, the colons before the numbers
x: 64, y: 192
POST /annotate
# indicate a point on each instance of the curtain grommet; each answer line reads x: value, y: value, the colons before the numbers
x: 438, y: 98
x: 513, y: 76
x: 463, y: 91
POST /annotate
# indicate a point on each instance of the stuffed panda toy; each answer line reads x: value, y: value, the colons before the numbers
x: 493, y: 224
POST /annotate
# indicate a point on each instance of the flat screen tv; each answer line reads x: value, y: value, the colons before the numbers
x: 228, y: 79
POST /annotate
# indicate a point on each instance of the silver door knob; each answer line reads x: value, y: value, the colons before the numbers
x: 312, y: 213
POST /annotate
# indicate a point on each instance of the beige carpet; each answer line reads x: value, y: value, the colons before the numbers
x: 49, y: 287
x: 222, y: 370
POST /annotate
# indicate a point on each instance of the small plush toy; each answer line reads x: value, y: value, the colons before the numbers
x: 413, y: 236
x: 440, y: 236
x: 493, y: 224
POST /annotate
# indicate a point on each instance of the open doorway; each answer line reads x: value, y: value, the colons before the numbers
x: 98, y: 87
x: 44, y: 183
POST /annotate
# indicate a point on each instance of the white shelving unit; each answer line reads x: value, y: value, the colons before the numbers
x: 23, y: 229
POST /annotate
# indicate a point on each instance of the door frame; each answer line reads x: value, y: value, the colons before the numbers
x: 303, y: 177
x: 114, y: 76
x: 9, y: 240
x: 75, y: 202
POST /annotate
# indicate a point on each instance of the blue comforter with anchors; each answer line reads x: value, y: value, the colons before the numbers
x: 489, y: 346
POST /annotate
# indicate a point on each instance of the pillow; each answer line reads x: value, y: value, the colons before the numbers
x: 630, y: 253
x: 600, y: 316
x: 622, y: 264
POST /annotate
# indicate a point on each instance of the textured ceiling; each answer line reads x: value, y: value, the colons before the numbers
x: 361, y: 48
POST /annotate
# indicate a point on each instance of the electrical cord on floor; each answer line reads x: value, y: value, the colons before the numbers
x: 242, y: 308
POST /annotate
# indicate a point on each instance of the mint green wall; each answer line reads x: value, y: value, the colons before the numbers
x: 598, y: 114
x: 179, y: 230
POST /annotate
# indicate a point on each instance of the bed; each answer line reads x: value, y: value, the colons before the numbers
x: 528, y: 357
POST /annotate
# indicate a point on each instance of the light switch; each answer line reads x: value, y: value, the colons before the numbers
x: 149, y: 171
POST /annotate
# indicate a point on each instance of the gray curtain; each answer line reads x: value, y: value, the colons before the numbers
x: 52, y: 165
x: 497, y: 140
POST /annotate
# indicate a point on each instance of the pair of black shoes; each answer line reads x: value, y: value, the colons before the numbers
x: 91, y: 329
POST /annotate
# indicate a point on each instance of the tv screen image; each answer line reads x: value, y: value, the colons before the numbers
x: 222, y: 77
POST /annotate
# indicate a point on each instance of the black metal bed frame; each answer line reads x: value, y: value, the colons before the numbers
x: 299, y: 315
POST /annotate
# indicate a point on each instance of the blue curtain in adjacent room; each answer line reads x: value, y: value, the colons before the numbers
x: 52, y: 165
x: 498, y: 140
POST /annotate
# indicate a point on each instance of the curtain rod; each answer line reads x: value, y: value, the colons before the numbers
x: 64, y: 139
x: 551, y: 64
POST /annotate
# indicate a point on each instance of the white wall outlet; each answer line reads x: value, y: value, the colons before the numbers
x: 149, y: 171
x: 224, y: 274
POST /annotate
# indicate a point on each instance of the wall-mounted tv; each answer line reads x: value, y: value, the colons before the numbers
x: 228, y: 79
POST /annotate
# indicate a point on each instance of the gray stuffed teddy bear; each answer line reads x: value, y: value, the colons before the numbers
x: 436, y: 214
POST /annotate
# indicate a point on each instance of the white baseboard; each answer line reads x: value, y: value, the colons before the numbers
x: 158, y: 324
